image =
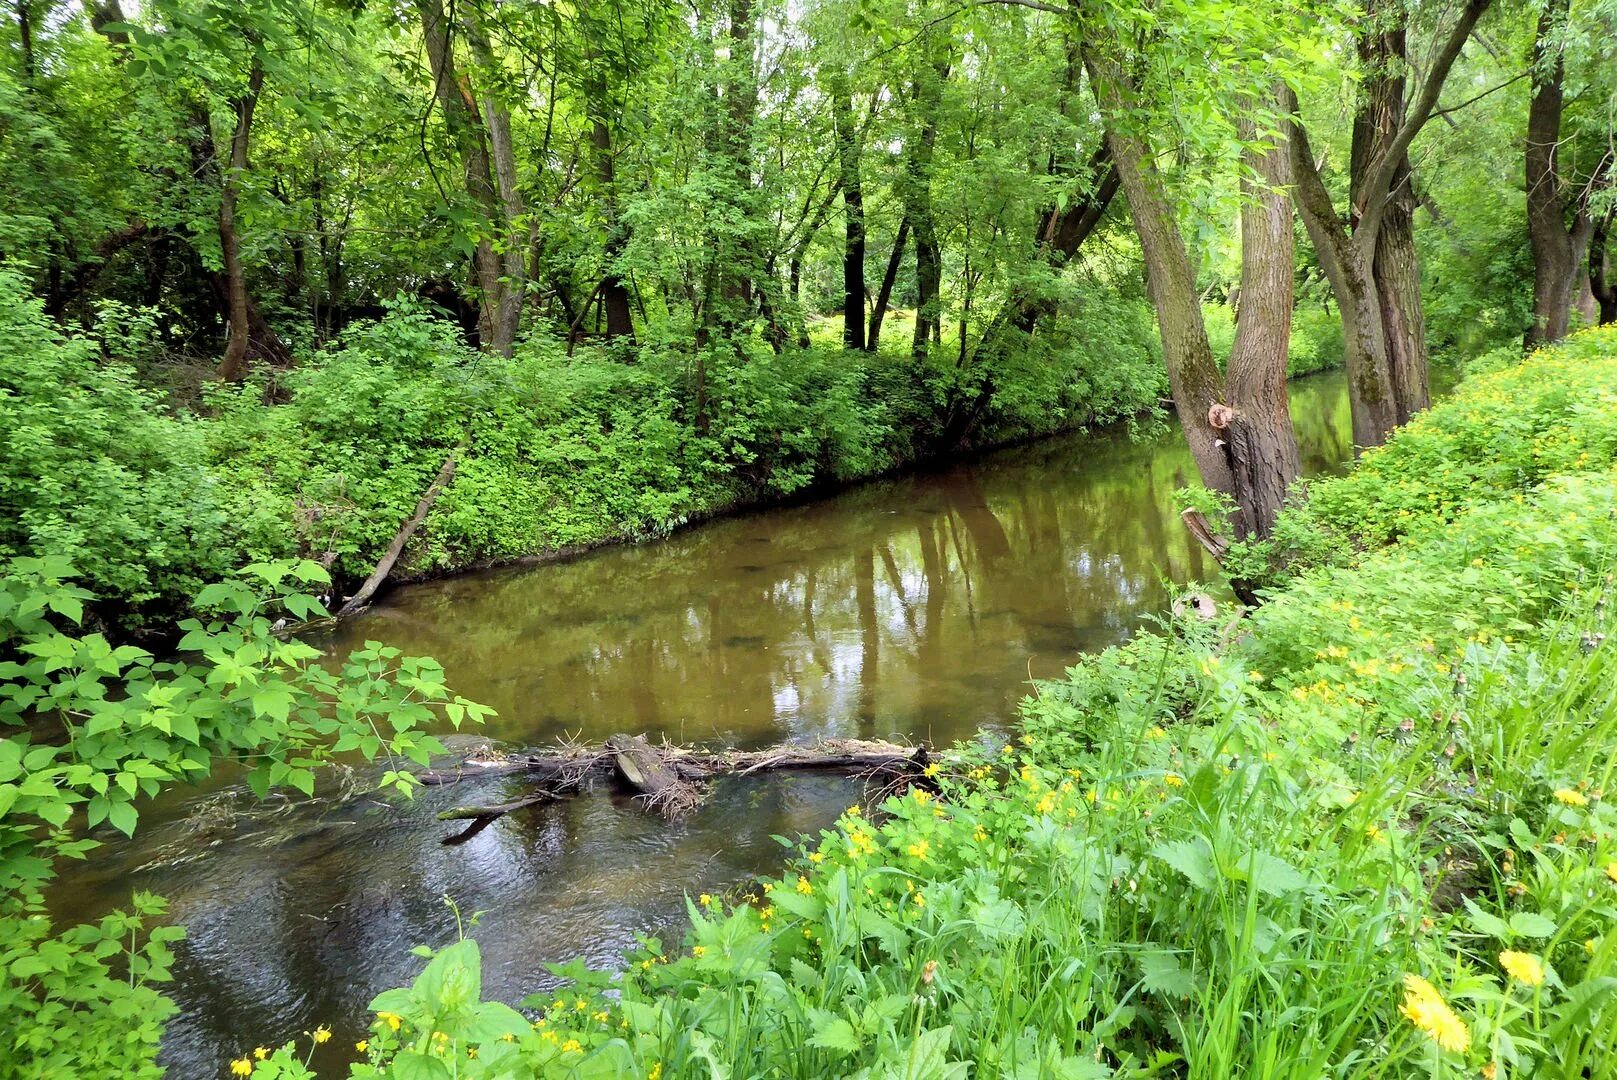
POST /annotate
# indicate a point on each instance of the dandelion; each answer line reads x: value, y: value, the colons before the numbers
x: 803, y: 885
x: 241, y: 1067
x: 1571, y: 797
x: 1523, y: 967
x: 322, y: 1034
x: 1427, y: 1010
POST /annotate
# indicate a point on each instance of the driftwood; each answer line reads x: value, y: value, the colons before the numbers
x: 666, y: 778
x: 358, y: 601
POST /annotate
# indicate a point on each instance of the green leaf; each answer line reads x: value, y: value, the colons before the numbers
x: 1531, y: 924
x: 1192, y: 858
x: 835, y: 1033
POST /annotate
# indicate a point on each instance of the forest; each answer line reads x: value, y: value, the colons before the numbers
x: 1164, y: 448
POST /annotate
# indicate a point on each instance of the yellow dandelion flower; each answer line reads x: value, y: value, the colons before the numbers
x: 1426, y: 1009
x: 241, y: 1067
x: 1523, y: 967
x: 1570, y: 797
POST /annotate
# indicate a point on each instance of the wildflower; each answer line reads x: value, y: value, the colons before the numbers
x: 260, y: 1053
x: 362, y: 1045
x: 1427, y: 1010
x: 817, y: 857
x: 803, y: 885
x: 922, y: 796
x: 1373, y: 833
x: 1523, y: 967
x: 241, y: 1067
x: 920, y: 901
x: 656, y: 1072
x: 1490, y: 1070
x: 931, y: 771
x: 980, y: 834
x: 1156, y: 732
x: 1611, y: 870
x: 392, y: 1020
x: 322, y: 1034
x: 705, y: 900
x: 1589, y: 946
x: 1174, y: 780
x: 919, y: 849
x: 699, y: 951
x: 1570, y: 797
x: 572, y: 1046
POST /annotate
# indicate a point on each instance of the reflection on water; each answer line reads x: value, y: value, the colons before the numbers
x: 912, y: 607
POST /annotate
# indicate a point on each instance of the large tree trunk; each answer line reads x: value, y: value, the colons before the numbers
x: 1263, y: 448
x: 1370, y: 392
x: 510, y: 253
x: 1556, y: 266
x: 1193, y: 374
x: 853, y: 212
x: 234, y: 366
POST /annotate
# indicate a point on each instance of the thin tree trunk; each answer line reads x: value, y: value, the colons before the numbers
x: 614, y: 290
x: 234, y: 366
x: 884, y: 295
x: 1263, y: 447
x: 25, y: 39
x: 853, y: 211
x: 1602, y: 281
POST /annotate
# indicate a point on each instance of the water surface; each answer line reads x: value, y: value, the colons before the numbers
x: 916, y: 607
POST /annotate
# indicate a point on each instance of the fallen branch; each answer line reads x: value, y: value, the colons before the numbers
x: 667, y: 778
x: 385, y: 567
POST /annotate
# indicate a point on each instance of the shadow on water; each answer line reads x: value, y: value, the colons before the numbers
x: 915, y: 607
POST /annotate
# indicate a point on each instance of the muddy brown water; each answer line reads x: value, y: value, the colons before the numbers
x: 916, y: 607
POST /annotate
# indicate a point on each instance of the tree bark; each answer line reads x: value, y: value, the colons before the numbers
x: 853, y: 211
x: 614, y: 290
x: 1263, y: 447
x: 918, y: 191
x: 233, y: 368
x: 510, y: 253
x: 1193, y: 374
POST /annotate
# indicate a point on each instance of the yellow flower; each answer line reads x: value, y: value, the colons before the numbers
x: 1611, y: 870
x: 817, y: 857
x: 260, y: 1053
x: 1523, y: 967
x: 392, y: 1020
x: 571, y: 1046
x: 1569, y: 797
x: 241, y: 1067
x: 1490, y: 1070
x: 362, y: 1045
x: 705, y: 900
x: 931, y: 771
x: 322, y: 1034
x: 1174, y: 780
x: 1426, y: 1009
x: 803, y: 885
x: 656, y: 1072
x: 980, y: 834
x: 922, y: 795
x: 919, y: 849
x: 699, y: 951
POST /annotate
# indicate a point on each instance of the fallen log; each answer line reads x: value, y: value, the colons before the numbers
x: 358, y: 601
x: 668, y: 778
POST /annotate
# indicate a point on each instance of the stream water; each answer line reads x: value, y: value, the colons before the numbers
x: 916, y: 607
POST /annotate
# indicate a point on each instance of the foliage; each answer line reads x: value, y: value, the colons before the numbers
x: 1368, y: 835
x: 89, y: 731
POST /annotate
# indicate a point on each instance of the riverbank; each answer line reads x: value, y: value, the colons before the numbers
x: 152, y: 496
x: 1365, y: 835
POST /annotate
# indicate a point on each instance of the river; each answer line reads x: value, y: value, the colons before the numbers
x: 915, y: 607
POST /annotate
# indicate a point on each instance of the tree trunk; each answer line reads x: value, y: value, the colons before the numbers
x: 1263, y: 448
x: 25, y: 39
x: 234, y: 366
x: 614, y: 290
x: 1556, y: 266
x: 1602, y: 281
x: 918, y: 192
x: 1396, y: 273
x: 1193, y: 374
x: 454, y: 96
x: 853, y: 212
x: 884, y: 295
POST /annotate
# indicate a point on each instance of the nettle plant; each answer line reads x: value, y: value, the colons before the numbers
x: 89, y: 729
